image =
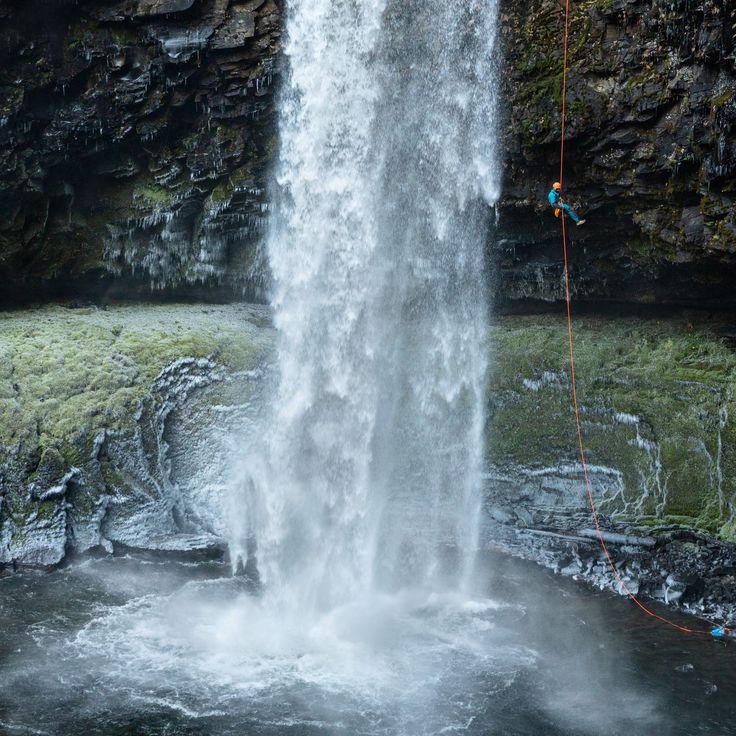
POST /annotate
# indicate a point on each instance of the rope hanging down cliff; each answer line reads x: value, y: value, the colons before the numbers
x: 718, y: 631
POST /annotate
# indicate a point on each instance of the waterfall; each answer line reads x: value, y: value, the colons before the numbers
x: 369, y: 473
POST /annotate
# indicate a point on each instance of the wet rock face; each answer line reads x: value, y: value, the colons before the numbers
x: 135, y: 136
x: 657, y: 413
x: 134, y: 140
x: 650, y: 150
x: 118, y: 432
x: 678, y: 567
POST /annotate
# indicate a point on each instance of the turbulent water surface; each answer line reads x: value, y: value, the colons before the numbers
x: 128, y: 647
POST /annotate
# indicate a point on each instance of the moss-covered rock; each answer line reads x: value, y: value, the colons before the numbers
x: 117, y: 424
x: 658, y: 418
x: 85, y: 400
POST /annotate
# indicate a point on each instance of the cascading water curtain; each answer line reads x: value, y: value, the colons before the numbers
x: 370, y: 471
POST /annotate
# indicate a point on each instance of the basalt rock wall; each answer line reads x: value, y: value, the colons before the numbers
x: 136, y: 136
x: 134, y: 142
x: 650, y: 150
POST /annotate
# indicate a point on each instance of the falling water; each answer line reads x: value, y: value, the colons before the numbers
x: 370, y: 472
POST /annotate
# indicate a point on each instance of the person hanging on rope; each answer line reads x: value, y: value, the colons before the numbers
x: 555, y: 199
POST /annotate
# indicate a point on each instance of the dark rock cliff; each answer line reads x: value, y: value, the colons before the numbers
x: 134, y: 137
x: 650, y: 151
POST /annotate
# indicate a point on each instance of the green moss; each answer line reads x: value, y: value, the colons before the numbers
x: 113, y: 478
x: 652, y: 395
x: 46, y: 510
x: 539, y: 95
x: 223, y: 192
x: 67, y: 374
x: 645, y: 250
x: 722, y: 99
x: 79, y: 35
x: 154, y: 195
x: 728, y: 531
x: 72, y: 456
x: 124, y: 36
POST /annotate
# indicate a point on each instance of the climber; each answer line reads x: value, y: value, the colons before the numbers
x: 555, y: 199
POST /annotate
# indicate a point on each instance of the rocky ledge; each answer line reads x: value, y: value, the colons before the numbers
x: 117, y: 427
x: 659, y: 426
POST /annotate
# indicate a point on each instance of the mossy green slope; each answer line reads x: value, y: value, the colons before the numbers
x: 70, y: 372
x: 73, y: 380
x: 657, y: 401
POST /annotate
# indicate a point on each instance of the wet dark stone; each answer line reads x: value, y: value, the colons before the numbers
x: 122, y: 123
x: 650, y: 155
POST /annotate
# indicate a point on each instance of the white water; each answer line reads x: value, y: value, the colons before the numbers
x: 369, y: 476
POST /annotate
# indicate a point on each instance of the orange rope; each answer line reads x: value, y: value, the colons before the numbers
x: 581, y: 446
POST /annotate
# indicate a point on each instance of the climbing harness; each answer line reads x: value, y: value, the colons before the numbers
x: 717, y: 631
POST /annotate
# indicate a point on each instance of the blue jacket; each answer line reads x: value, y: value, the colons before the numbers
x: 554, y: 198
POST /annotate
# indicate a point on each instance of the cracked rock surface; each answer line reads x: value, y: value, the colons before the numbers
x: 135, y: 136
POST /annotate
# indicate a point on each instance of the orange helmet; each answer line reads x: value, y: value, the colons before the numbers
x: 557, y: 185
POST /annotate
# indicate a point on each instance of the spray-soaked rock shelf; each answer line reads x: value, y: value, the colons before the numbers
x: 657, y: 402
x: 117, y: 426
x: 675, y: 565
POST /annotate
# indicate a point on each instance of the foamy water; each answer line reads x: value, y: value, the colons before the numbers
x: 123, y: 646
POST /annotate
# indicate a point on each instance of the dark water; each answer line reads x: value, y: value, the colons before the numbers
x: 125, y: 646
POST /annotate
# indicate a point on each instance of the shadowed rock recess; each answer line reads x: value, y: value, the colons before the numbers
x: 134, y: 139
